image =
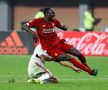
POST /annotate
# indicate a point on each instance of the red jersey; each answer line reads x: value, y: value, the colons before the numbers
x: 46, y: 33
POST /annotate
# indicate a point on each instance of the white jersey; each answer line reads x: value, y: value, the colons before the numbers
x: 33, y: 69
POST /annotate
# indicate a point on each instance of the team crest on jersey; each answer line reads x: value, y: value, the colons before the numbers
x: 56, y: 54
x: 43, y: 26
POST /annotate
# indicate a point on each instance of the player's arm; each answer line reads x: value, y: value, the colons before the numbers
x: 66, y: 64
x: 59, y: 25
x: 27, y: 28
x: 43, y: 68
x: 63, y: 63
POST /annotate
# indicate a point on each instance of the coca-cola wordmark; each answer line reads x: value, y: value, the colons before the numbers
x: 89, y: 43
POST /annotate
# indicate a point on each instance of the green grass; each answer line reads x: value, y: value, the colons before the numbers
x: 15, y: 66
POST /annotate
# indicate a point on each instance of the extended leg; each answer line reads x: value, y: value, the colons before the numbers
x: 78, y: 54
x: 65, y: 57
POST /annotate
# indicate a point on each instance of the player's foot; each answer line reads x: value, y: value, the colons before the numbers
x: 29, y: 80
x: 54, y: 79
x: 38, y: 81
x: 94, y: 72
x: 33, y: 80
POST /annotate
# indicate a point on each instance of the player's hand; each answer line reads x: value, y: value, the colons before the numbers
x: 64, y: 27
x: 77, y: 70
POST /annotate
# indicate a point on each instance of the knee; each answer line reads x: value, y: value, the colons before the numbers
x: 80, y: 55
x: 64, y: 57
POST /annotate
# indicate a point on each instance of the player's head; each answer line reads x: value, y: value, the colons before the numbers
x: 49, y: 14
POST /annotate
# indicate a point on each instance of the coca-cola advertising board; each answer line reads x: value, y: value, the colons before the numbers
x: 89, y: 43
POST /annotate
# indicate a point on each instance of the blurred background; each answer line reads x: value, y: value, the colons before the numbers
x: 13, y: 13
x: 78, y: 15
x: 16, y: 46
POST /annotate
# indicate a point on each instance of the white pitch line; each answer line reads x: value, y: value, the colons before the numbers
x: 83, y: 79
x: 12, y: 75
x: 62, y: 79
x: 104, y: 76
x: 18, y: 81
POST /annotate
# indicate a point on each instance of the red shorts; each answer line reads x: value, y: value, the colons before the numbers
x: 61, y: 48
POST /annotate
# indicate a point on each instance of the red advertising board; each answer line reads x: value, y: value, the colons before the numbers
x: 89, y: 43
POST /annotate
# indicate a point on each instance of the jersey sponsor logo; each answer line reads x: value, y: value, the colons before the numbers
x: 13, y: 45
x: 51, y: 30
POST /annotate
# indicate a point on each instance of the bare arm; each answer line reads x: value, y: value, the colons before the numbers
x: 43, y: 68
x: 26, y: 28
x: 64, y: 63
x: 61, y: 26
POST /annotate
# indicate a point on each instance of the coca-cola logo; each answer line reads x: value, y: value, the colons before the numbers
x: 88, y: 43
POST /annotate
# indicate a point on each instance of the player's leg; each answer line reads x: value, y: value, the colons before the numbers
x: 78, y: 54
x: 46, y: 78
x: 58, y: 54
x: 38, y: 73
x: 34, y: 71
x: 33, y: 78
x: 41, y: 78
x: 73, y: 51
x: 76, y: 63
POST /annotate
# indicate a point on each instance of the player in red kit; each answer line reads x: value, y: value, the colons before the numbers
x: 50, y: 42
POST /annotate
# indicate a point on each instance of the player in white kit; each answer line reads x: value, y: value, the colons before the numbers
x: 37, y: 71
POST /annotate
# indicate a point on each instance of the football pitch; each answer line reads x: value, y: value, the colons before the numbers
x: 15, y: 67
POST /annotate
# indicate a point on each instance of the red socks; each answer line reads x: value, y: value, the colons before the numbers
x: 80, y: 65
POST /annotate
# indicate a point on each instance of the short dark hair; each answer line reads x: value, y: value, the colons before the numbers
x: 46, y: 10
